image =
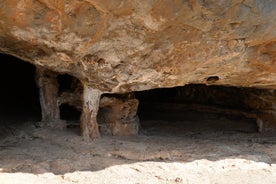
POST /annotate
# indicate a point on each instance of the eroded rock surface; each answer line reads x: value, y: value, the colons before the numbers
x: 121, y: 46
x: 131, y: 45
x: 118, y: 116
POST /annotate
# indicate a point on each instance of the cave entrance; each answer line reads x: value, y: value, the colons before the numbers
x: 196, y: 108
x: 19, y: 94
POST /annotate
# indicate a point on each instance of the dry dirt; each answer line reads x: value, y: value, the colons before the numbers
x: 160, y: 154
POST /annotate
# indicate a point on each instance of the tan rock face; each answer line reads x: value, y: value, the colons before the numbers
x: 130, y: 45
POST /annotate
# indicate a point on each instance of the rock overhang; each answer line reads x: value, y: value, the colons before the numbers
x: 124, y: 46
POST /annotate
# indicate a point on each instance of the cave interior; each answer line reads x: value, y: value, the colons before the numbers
x: 196, y: 107
x: 193, y: 107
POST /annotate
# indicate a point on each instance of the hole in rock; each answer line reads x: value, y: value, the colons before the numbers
x: 212, y: 79
x: 65, y: 82
x: 70, y: 96
x: 196, y: 108
x: 19, y: 96
x: 70, y: 114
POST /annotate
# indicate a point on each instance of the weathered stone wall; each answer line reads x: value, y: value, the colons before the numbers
x: 118, y: 116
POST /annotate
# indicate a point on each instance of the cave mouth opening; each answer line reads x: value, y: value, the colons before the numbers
x: 196, y: 108
x: 19, y: 95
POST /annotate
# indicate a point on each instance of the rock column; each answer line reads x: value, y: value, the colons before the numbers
x: 89, y: 124
x: 264, y: 102
x: 48, y: 94
x: 266, y: 121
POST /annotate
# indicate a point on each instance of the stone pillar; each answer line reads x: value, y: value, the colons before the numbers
x: 263, y: 102
x: 48, y: 94
x: 266, y: 121
x: 89, y: 125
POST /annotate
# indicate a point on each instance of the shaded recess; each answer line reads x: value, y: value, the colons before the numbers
x: 19, y: 96
x: 65, y: 82
x: 70, y: 101
x: 70, y: 114
x: 197, y: 107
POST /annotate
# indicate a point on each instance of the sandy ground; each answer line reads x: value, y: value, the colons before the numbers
x: 158, y: 155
